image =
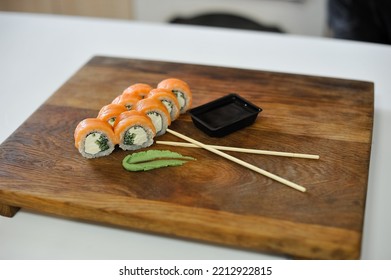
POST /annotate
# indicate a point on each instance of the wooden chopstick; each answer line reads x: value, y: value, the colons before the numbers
x: 238, y: 161
x: 241, y: 150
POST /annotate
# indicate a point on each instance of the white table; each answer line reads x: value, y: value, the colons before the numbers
x: 38, y: 53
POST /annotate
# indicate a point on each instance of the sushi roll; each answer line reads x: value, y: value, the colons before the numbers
x: 126, y: 100
x: 157, y: 112
x: 94, y: 138
x: 139, y: 90
x: 181, y: 90
x: 134, y: 130
x: 168, y: 99
x: 110, y: 112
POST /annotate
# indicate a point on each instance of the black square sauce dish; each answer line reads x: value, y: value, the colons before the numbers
x: 224, y: 115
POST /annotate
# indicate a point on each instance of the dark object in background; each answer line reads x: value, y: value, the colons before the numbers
x: 225, y: 20
x: 360, y: 20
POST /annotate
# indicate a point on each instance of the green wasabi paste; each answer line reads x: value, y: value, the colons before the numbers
x: 152, y: 159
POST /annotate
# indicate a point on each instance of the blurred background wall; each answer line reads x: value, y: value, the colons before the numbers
x: 304, y: 17
x: 121, y: 9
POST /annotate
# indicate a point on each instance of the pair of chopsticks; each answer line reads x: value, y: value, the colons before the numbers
x: 217, y: 150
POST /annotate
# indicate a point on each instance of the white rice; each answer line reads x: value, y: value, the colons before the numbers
x: 138, y: 145
x: 160, y: 127
x: 82, y: 148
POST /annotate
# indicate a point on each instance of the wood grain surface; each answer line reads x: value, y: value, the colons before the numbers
x: 210, y: 199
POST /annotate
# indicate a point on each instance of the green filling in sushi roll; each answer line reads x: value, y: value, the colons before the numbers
x: 96, y: 142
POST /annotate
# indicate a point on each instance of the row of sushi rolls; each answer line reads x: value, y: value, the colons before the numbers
x: 134, y: 118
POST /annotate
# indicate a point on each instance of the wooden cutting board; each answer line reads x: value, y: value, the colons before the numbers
x: 211, y: 199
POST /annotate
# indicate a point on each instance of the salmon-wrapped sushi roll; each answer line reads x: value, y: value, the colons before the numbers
x: 126, y: 100
x: 168, y: 99
x: 110, y: 112
x: 157, y: 112
x: 181, y: 90
x: 139, y: 90
x: 134, y: 130
x: 94, y: 138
